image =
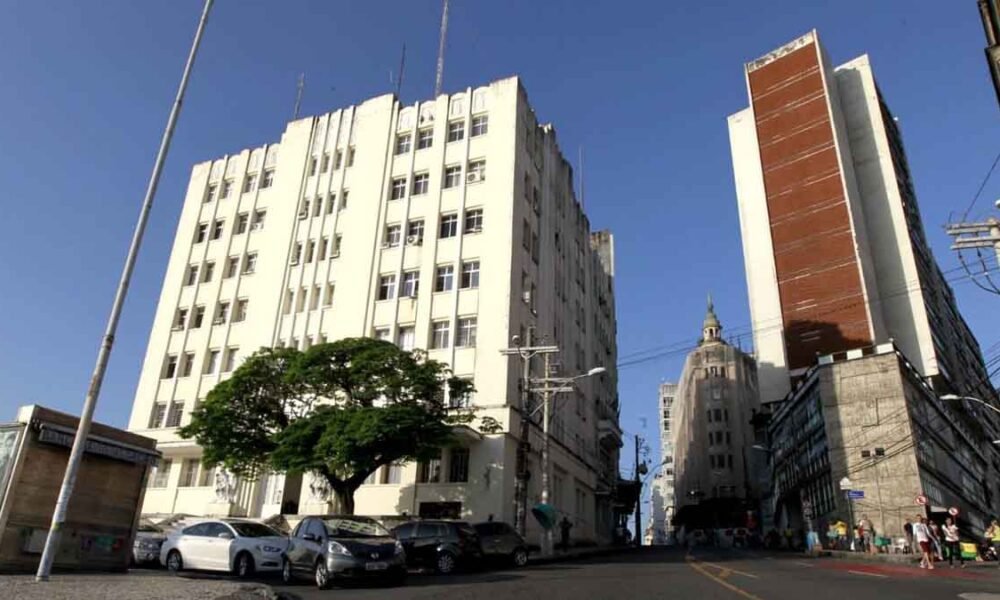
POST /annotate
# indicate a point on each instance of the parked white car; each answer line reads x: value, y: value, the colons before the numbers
x: 236, y: 545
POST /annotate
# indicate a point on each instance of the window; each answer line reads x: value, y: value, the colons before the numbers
x: 444, y: 280
x: 403, y: 143
x: 398, y: 188
x: 156, y: 417
x: 458, y: 467
x: 343, y: 201
x: 430, y: 472
x: 338, y: 159
x: 174, y: 416
x: 207, y: 478
x: 242, y: 223
x: 318, y: 207
x: 241, y: 310
x: 227, y: 189
x: 387, y: 287
x: 210, y: 194
x: 535, y: 247
x: 161, y: 474
x: 313, y: 164
x: 197, y: 317
x: 232, y: 266
x: 456, y: 131
x: 250, y: 264
x: 314, y: 298
x: 258, y: 219
x: 474, y: 220
x: 268, y: 179
x: 249, y: 184
x: 440, y: 334
x: 393, y: 234
x: 304, y: 211
x: 477, y: 171
x: 465, y: 336
x: 324, y: 166
x: 425, y: 138
x: 187, y: 363
x: 337, y: 239
x: 421, y: 183
x: 350, y: 156
x: 411, y: 284
x: 191, y: 277
x: 201, y: 233
x: 526, y: 235
x: 480, y: 125
x: 230, y: 361
x: 211, y: 362
x: 189, y: 472
x: 452, y: 176
x: 310, y: 251
x: 382, y: 334
x: 449, y: 226
x: 324, y: 243
x: 328, y: 299
x: 221, y: 313
x: 300, y: 300
x: 406, y: 338
x: 180, y: 319
x: 415, y: 231
x: 392, y: 474
x: 207, y: 272
x: 470, y: 275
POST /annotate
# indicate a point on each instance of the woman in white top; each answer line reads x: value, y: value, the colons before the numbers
x: 951, y: 540
x: 923, y: 536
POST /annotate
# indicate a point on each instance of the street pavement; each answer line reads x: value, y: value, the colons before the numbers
x: 705, y: 574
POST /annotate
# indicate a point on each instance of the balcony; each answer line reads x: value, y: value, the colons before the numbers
x: 609, y: 433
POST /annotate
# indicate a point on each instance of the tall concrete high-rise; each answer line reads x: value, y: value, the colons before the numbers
x: 447, y: 225
x: 662, y: 492
x: 712, y: 435
x: 835, y: 252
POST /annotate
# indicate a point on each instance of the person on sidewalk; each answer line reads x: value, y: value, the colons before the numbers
x: 564, y: 527
x: 842, y: 536
x: 922, y: 535
x: 867, y: 538
x: 951, y: 540
x: 993, y: 537
x: 936, y: 538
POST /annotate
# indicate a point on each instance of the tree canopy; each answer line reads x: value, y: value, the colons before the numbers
x: 339, y: 410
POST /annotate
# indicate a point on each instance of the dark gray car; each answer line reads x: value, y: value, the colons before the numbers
x: 500, y: 541
x: 328, y: 548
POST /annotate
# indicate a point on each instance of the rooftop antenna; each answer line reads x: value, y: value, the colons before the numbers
x: 438, y: 80
x: 402, y: 64
x: 298, y: 95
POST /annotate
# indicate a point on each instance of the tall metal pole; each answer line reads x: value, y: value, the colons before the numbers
x: 94, y: 391
x: 523, y: 443
x: 439, y: 77
x: 546, y: 460
x: 638, y: 498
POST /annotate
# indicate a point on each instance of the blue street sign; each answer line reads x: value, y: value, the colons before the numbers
x: 855, y: 494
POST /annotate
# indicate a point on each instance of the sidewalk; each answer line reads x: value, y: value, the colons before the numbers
x: 129, y: 587
x: 899, y: 559
x: 536, y: 558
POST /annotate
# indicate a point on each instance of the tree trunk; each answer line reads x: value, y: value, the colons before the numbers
x: 345, y: 500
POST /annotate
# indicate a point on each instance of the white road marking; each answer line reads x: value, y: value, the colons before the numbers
x: 868, y: 574
x: 979, y: 596
x: 804, y: 564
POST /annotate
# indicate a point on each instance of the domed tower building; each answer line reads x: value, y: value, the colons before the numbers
x: 712, y: 434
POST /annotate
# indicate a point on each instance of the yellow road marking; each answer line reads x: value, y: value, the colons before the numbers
x: 725, y: 573
x: 694, y: 565
x: 730, y: 569
x: 868, y: 574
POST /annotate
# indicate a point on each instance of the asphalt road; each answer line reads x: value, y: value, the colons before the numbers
x: 704, y: 575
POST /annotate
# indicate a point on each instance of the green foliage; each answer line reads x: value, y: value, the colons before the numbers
x: 338, y: 410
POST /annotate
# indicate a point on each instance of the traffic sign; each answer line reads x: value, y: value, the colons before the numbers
x: 920, y: 500
x: 845, y: 484
x: 953, y: 511
x: 856, y: 494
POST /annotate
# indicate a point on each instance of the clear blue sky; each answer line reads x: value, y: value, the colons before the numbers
x: 643, y: 86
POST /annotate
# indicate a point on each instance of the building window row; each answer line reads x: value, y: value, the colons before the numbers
x: 455, y: 133
x: 433, y: 471
x: 321, y: 204
x: 193, y: 319
x: 318, y: 250
x: 182, y: 365
x: 721, y: 461
x: 717, y: 415
x: 475, y: 172
x: 206, y: 271
x: 444, y: 281
x: 224, y: 190
x: 716, y: 438
x: 319, y: 164
x: 305, y: 298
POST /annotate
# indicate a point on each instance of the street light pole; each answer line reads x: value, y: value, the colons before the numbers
x: 953, y: 397
x: 94, y: 390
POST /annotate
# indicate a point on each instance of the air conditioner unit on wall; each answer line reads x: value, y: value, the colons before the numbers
x: 414, y: 240
x: 474, y: 176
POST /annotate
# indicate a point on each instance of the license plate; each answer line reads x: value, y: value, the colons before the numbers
x: 376, y: 566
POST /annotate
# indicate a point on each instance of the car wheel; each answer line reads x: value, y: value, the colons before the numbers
x: 322, y: 576
x: 519, y: 557
x: 446, y: 563
x: 174, y: 561
x: 244, y: 566
x: 287, y: 577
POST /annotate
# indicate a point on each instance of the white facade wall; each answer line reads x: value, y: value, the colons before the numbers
x: 323, y: 296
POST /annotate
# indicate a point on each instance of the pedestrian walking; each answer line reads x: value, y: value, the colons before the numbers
x: 842, y: 535
x: 922, y: 535
x: 564, y: 527
x: 867, y: 538
x: 993, y: 538
x: 936, y: 538
x: 951, y: 539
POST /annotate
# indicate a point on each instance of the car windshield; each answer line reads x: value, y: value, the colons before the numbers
x: 354, y: 528
x: 246, y: 529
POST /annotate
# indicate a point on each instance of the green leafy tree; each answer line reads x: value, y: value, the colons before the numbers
x: 338, y: 410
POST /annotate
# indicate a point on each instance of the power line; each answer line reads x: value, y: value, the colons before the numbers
x: 981, y: 186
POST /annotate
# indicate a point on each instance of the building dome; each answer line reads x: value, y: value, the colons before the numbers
x: 711, y: 329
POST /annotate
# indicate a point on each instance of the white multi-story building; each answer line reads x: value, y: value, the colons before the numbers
x: 662, y: 492
x: 448, y: 225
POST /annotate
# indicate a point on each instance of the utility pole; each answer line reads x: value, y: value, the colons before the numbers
x: 978, y: 236
x: 989, y: 12
x: 525, y: 352
x: 94, y: 390
x: 439, y: 76
x: 638, y: 499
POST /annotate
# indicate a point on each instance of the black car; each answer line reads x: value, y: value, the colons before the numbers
x: 331, y: 547
x: 500, y: 541
x: 440, y: 545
